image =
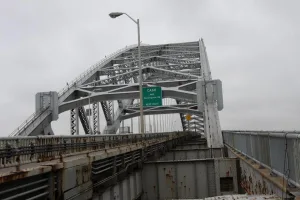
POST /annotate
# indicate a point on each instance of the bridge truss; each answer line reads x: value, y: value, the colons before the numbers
x: 180, y: 69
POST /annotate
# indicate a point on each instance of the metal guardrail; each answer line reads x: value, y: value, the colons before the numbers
x: 28, y: 121
x: 275, y: 150
x: 15, y: 151
x: 92, y: 69
x: 73, y: 83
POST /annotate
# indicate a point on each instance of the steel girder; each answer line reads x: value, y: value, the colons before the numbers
x: 84, y: 120
x: 174, y: 67
x: 37, y: 122
x: 74, y: 121
x: 196, y: 121
x: 133, y: 111
x: 126, y: 92
x: 212, y: 128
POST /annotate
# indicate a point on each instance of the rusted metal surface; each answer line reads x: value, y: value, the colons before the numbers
x: 197, y: 153
x: 257, y: 180
x: 15, y: 151
x: 83, y: 156
x: 187, y: 179
x: 16, y: 175
x: 76, y: 169
x: 30, y: 187
x: 278, y: 151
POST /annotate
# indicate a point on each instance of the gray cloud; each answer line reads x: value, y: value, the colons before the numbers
x: 252, y: 47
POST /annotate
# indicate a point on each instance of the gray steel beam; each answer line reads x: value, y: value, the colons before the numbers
x: 84, y: 120
x: 213, y: 130
x: 74, y: 121
x: 36, y: 123
x: 174, y: 67
x: 106, y: 111
x: 104, y: 96
x: 113, y: 128
x: 164, y: 111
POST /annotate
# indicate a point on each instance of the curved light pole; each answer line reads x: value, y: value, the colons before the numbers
x: 137, y: 22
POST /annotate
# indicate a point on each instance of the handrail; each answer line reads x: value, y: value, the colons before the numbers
x: 15, y: 151
x: 269, y: 149
x: 30, y: 119
x: 92, y: 69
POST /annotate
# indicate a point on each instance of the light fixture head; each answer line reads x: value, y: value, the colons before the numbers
x: 115, y: 14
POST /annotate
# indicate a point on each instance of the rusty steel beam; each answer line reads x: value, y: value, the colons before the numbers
x: 15, y: 151
x: 75, y: 162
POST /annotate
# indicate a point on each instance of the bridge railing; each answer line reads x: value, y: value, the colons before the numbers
x: 278, y: 151
x: 93, y: 68
x: 73, y: 83
x: 28, y: 121
x: 15, y: 151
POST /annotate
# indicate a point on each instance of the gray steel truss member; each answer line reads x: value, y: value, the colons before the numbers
x: 74, y: 121
x: 84, y: 120
x: 180, y: 69
x: 96, y: 119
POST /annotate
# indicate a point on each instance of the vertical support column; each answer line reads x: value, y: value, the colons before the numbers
x: 96, y: 118
x: 98, y: 114
x: 139, y: 124
x: 196, y: 179
x: 150, y: 125
x: 115, y: 179
x: 113, y: 110
x: 154, y: 124
x: 209, y: 93
x: 207, y: 104
x: 74, y: 121
x: 51, y: 188
x: 59, y: 183
x: 131, y: 128
x: 217, y: 177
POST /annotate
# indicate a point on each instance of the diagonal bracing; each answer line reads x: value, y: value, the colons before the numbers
x: 176, y: 68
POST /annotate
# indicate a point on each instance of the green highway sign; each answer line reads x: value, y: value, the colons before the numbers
x: 152, y: 96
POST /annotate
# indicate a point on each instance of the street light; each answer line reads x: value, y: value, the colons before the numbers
x: 137, y: 22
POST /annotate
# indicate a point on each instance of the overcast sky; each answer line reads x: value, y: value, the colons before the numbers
x: 253, y: 47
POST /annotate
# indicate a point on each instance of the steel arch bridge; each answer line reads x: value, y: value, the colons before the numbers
x: 180, y: 69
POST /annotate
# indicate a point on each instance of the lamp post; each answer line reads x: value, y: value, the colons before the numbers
x: 137, y: 22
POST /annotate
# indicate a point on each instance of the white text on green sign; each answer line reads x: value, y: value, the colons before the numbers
x: 152, y: 96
